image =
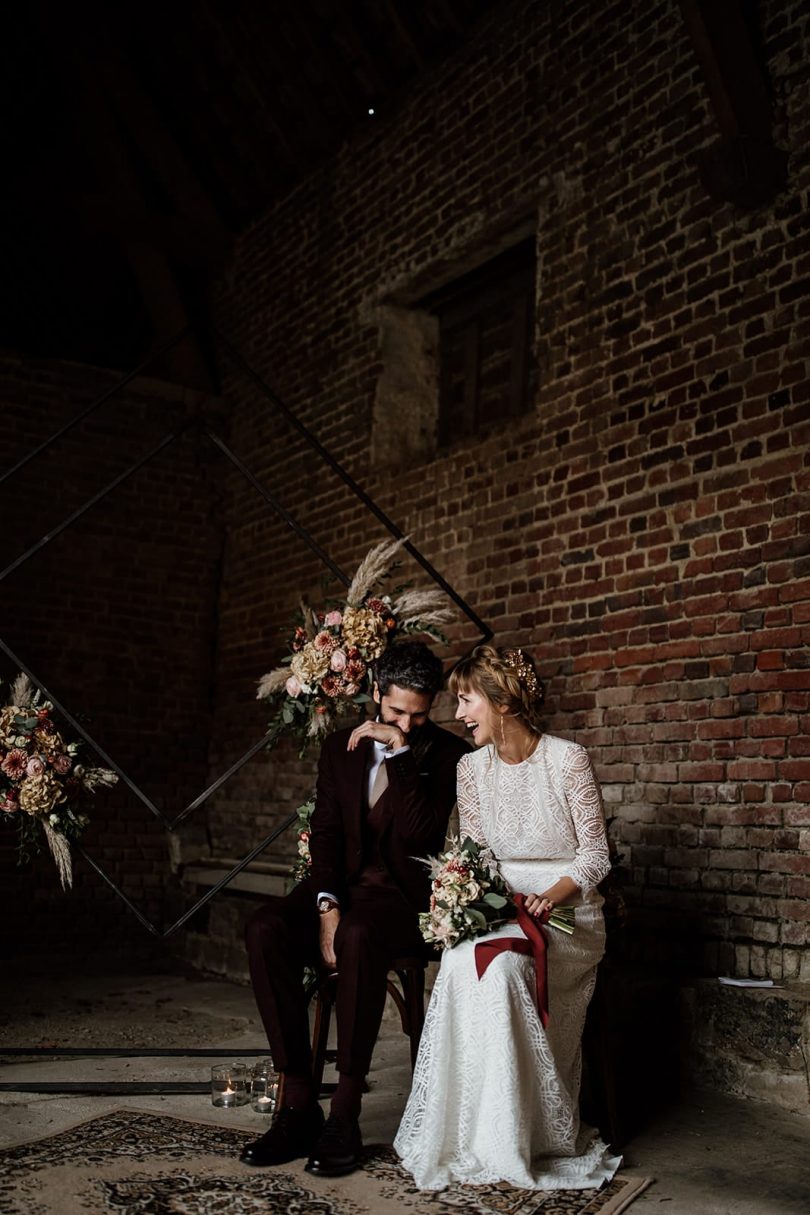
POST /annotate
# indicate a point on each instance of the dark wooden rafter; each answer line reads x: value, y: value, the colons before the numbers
x: 165, y: 132
x: 129, y: 213
x: 744, y: 166
x: 242, y: 57
x: 399, y: 21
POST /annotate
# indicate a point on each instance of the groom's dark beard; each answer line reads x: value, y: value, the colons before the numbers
x: 418, y: 740
x: 417, y: 733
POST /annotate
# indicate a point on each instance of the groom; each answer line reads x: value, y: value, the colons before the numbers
x: 384, y: 796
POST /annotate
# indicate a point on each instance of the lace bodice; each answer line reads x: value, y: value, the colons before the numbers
x: 547, y: 808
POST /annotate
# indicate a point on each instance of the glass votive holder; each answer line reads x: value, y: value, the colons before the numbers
x: 229, y: 1084
x: 264, y: 1087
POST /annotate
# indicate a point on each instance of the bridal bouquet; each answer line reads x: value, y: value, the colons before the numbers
x: 469, y: 897
x: 327, y: 673
x: 41, y: 783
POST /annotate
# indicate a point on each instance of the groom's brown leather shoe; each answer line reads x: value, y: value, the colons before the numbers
x: 337, y: 1151
x: 293, y: 1133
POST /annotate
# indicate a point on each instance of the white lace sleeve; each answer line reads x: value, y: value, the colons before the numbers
x: 592, y: 862
x: 469, y: 807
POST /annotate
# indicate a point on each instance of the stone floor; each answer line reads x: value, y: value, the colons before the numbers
x: 709, y: 1154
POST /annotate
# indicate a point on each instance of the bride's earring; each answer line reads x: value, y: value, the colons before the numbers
x: 503, y: 735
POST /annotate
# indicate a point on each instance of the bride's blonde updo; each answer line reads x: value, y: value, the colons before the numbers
x: 503, y: 677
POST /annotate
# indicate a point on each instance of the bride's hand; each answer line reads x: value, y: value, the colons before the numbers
x: 536, y: 904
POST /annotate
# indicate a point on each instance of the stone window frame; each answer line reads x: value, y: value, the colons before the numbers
x: 405, y: 424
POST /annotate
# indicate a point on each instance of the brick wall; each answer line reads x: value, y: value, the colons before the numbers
x: 645, y: 531
x: 116, y: 615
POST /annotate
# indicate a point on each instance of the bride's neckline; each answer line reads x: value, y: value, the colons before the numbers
x: 516, y: 763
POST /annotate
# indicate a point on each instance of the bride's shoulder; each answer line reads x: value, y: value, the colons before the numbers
x: 476, y: 762
x: 560, y: 749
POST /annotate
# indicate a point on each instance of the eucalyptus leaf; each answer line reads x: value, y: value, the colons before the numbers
x: 495, y: 900
x: 478, y: 918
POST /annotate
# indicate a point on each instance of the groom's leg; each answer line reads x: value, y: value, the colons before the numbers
x: 282, y: 937
x: 375, y: 929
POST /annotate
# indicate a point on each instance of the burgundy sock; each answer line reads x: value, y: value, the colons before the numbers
x: 297, y: 1091
x: 349, y: 1095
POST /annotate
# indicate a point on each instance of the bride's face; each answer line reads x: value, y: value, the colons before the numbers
x: 479, y: 716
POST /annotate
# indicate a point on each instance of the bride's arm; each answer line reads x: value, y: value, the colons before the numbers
x: 592, y: 860
x: 469, y: 806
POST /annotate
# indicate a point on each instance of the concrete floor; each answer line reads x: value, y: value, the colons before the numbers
x: 709, y: 1155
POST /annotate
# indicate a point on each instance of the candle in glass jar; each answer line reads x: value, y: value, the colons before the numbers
x: 229, y: 1084
x: 263, y: 1087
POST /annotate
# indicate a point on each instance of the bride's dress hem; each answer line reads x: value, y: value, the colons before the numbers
x: 557, y: 1176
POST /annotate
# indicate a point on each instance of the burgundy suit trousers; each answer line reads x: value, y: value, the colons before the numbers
x: 377, y: 926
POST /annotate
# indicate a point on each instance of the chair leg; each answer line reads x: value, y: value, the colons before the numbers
x: 320, y: 1034
x: 414, y: 990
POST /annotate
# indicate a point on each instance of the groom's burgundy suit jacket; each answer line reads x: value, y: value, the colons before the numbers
x: 414, y: 811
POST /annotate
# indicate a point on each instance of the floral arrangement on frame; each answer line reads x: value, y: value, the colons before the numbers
x: 328, y: 672
x: 43, y: 787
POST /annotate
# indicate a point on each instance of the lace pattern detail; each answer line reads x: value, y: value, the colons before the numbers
x: 550, y: 807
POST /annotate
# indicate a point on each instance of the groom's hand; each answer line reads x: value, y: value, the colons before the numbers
x: 329, y: 921
x: 380, y: 731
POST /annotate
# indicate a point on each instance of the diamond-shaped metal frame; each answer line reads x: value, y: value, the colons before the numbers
x: 171, y: 823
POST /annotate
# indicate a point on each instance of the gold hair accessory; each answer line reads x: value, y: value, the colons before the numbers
x: 517, y: 662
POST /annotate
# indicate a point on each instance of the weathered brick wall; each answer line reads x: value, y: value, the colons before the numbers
x: 116, y: 615
x: 644, y: 531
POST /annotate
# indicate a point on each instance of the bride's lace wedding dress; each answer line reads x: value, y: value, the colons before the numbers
x: 495, y: 1096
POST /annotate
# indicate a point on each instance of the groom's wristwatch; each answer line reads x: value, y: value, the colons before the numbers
x: 325, y: 904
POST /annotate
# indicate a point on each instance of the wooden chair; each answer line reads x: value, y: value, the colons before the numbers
x: 406, y: 987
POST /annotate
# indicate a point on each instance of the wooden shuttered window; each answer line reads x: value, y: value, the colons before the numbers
x: 486, y: 321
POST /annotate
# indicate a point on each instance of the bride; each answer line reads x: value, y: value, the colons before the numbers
x: 495, y: 1095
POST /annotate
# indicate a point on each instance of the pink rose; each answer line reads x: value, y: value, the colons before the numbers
x: 62, y: 764
x: 9, y: 806
x: 293, y: 686
x: 35, y: 766
x: 333, y: 620
x: 338, y: 660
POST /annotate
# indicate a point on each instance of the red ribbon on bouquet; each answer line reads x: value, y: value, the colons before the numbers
x: 532, y: 943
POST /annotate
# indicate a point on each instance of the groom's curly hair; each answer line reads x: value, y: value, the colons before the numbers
x: 411, y: 665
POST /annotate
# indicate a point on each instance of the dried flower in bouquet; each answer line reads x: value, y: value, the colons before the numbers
x: 328, y: 673
x: 470, y: 898
x: 41, y: 783
x: 301, y: 868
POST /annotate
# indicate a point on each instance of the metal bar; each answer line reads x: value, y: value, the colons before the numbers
x: 123, y: 1052
x: 91, y: 502
x: 105, y: 396
x: 109, y: 1088
x: 204, y: 796
x: 108, y: 760
x: 286, y: 516
x: 288, y: 822
x: 148, y: 925
x: 356, y: 489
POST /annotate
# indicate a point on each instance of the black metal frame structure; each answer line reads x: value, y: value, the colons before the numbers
x: 244, y: 366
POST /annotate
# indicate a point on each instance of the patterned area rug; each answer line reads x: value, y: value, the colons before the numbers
x: 136, y: 1163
